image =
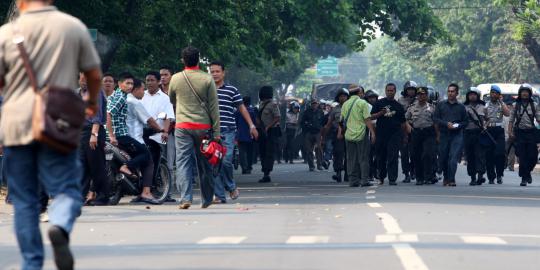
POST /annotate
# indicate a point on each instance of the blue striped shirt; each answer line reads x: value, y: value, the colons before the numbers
x: 229, y: 100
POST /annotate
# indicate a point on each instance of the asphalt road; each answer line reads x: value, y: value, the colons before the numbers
x: 304, y: 221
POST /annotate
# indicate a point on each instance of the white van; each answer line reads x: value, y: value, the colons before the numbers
x: 508, y: 90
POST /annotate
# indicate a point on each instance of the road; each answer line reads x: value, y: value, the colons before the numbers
x: 304, y: 221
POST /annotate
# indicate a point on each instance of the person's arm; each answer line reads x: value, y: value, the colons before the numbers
x: 213, y: 108
x: 328, y: 126
x: 93, y: 80
x: 511, y: 121
x: 112, y: 137
x: 154, y: 125
x: 94, y: 136
x: 377, y: 111
x: 245, y: 114
x: 276, y: 114
x: 437, y: 117
x: 505, y: 110
x: 371, y: 129
x: 464, y: 118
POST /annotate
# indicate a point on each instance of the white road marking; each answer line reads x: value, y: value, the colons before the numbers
x: 389, y: 223
x: 370, y: 191
x: 394, y: 238
x: 409, y: 238
x: 370, y: 197
x: 485, y: 240
x: 409, y: 258
x: 374, y: 205
x: 222, y: 240
x: 306, y: 239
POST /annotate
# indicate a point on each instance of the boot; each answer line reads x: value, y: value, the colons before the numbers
x: 480, y: 180
x: 473, y: 181
x: 337, y: 177
x: 499, y: 180
x: 407, y: 178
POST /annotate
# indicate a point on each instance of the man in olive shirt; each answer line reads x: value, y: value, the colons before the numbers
x: 59, y: 47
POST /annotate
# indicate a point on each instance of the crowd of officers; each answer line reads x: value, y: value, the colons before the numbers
x: 365, y: 135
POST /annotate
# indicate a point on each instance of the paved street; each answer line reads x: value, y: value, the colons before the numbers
x: 304, y: 221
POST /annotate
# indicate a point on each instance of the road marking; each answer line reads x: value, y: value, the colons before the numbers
x: 374, y: 205
x: 485, y: 240
x: 408, y: 257
x: 222, y: 240
x: 389, y: 223
x: 370, y: 197
x: 533, y: 236
x: 306, y: 239
x: 370, y: 191
x: 394, y: 238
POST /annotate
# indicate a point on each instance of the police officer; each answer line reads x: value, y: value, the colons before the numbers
x: 371, y: 97
x: 521, y: 128
x: 407, y: 98
x: 330, y: 132
x: 495, y: 152
x: 475, y: 152
x: 423, y: 136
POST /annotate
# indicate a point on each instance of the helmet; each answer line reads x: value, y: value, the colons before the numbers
x: 494, y: 88
x: 433, y: 96
x: 213, y: 151
x: 371, y: 93
x: 340, y: 92
x: 409, y: 85
x: 473, y: 90
x: 295, y: 104
x: 525, y: 87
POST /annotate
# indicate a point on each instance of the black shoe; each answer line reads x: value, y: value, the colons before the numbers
x: 320, y: 168
x: 407, y: 179
x: 169, y: 199
x: 413, y: 177
x: 326, y: 165
x: 337, y: 177
x: 499, y: 180
x: 368, y: 184
x: 392, y: 183
x: 529, y: 180
x: 492, y: 182
x: 311, y: 169
x: 60, y: 244
x: 473, y: 181
x: 291, y: 162
x: 419, y: 183
x: 265, y: 179
x: 97, y: 202
x: 523, y: 183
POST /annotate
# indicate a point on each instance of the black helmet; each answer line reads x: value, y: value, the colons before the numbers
x: 371, y: 93
x: 340, y: 92
x: 473, y: 90
x: 525, y: 87
x: 433, y: 96
x: 409, y: 85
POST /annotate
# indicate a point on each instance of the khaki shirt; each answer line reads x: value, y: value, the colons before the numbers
x: 494, y: 113
x: 59, y: 47
x: 474, y: 121
x: 525, y: 122
x: 420, y: 116
x: 270, y: 111
x: 335, y: 115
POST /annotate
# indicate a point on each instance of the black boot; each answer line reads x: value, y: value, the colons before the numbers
x: 337, y: 177
x: 499, y: 180
x: 480, y: 180
x: 473, y: 181
x: 407, y: 178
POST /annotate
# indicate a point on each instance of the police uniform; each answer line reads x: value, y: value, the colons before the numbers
x: 475, y: 151
x: 423, y: 135
x: 405, y: 150
x: 495, y: 150
x: 338, y: 145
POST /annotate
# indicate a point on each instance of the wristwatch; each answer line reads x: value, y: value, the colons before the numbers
x: 252, y: 126
x: 95, y: 134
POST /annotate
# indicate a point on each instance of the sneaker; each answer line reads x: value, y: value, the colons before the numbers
x: 234, y: 194
x: 219, y: 201
x: 184, y: 205
x: 60, y: 244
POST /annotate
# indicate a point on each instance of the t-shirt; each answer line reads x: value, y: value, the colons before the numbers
x: 59, y: 47
x: 392, y: 120
x: 137, y: 117
x: 229, y: 99
x: 356, y: 125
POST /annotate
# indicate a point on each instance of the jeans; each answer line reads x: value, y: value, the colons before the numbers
x: 225, y: 180
x: 188, y: 144
x: 246, y: 153
x: 451, y: 146
x: 28, y: 166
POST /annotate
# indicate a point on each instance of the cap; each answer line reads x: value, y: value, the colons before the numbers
x: 495, y: 88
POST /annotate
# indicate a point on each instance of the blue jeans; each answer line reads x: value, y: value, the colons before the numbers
x: 27, y: 167
x: 188, y: 144
x: 225, y: 180
x: 450, y: 153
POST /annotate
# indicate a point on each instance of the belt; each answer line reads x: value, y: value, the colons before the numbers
x: 424, y: 128
x: 495, y: 125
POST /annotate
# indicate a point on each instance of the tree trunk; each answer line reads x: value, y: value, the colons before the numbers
x: 533, y: 47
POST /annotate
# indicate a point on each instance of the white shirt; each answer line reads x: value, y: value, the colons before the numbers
x: 156, y: 104
x: 137, y: 117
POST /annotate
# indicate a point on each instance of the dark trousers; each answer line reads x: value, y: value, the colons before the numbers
x: 527, y: 151
x: 450, y: 149
x: 423, y: 146
x: 93, y: 164
x: 387, y: 146
x: 290, y: 147
x: 312, y: 142
x: 474, y: 152
x: 155, y: 152
x: 246, y: 152
x: 339, y: 154
x: 267, y: 147
x: 495, y: 154
x: 407, y: 163
x: 373, y: 162
x: 357, y: 161
x: 140, y: 158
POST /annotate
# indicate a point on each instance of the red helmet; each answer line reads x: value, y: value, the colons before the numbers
x: 213, y: 151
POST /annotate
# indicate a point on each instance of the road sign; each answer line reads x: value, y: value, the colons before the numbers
x: 328, y: 67
x: 93, y: 34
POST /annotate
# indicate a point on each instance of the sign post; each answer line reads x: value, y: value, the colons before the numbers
x: 328, y: 67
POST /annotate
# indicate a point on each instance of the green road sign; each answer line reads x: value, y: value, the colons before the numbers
x: 93, y: 34
x: 328, y: 67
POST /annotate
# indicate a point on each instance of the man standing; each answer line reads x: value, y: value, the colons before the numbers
x: 391, y: 130
x: 452, y: 118
x: 229, y: 99
x: 245, y: 140
x: 197, y: 115
x: 312, y: 122
x: 108, y: 84
x: 371, y: 97
x: 336, y: 135
x: 355, y: 116
x: 474, y: 151
x: 166, y: 74
x: 424, y: 136
x: 523, y: 131
x: 268, y: 124
x: 59, y: 47
x: 408, y: 96
x: 495, y: 152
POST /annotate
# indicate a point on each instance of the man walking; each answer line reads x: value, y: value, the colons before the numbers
x: 391, y: 130
x: 59, y: 47
x: 336, y: 135
x: 408, y: 96
x: 312, y: 123
x: 356, y: 117
x: 197, y: 116
x: 523, y: 131
x: 475, y: 152
x: 245, y: 140
x: 495, y: 152
x: 452, y: 118
x: 229, y: 99
x: 268, y: 124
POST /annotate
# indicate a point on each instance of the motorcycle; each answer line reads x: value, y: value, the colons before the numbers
x: 122, y: 185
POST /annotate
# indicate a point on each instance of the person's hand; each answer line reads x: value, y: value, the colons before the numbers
x: 254, y: 133
x: 164, y: 136
x: 383, y: 111
x: 93, y: 142
x: 113, y: 140
x: 450, y: 125
x: 373, y: 138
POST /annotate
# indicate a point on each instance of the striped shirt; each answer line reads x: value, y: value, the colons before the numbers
x: 229, y: 99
